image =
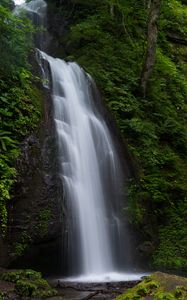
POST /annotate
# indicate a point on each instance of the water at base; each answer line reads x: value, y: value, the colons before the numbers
x: 105, y: 277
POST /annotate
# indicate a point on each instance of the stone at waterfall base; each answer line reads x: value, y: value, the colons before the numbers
x: 158, y: 286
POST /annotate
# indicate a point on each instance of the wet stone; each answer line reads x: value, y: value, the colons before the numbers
x: 86, y: 291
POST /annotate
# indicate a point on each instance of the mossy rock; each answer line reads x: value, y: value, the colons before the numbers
x: 14, y: 276
x: 42, y: 283
x: 35, y: 288
x: 45, y: 293
x: 25, y: 288
x: 11, y: 276
x: 159, y: 286
x: 28, y: 283
x: 33, y: 274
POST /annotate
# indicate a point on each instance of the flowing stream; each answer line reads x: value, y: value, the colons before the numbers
x: 90, y: 170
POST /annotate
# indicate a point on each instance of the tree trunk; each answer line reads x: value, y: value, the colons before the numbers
x: 154, y: 10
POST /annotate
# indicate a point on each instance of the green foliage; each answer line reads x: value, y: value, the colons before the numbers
x: 14, y: 276
x: 25, y: 288
x: 45, y: 293
x: 108, y: 39
x: 6, y: 4
x: 158, y: 286
x: 11, y: 276
x: 7, y: 174
x: 19, y: 109
x: 43, y: 222
x: 15, y: 42
x: 174, y: 17
x: 19, y: 117
x: 172, y: 250
x: 29, y: 283
x: 34, y: 288
x: 21, y: 246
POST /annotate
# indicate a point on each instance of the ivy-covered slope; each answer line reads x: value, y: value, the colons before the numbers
x: 108, y: 39
x: 20, y: 108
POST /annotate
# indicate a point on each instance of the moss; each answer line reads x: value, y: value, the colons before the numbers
x: 33, y: 275
x: 142, y: 291
x: 14, y: 276
x: 164, y: 296
x: 43, y: 221
x: 158, y: 286
x: 25, y: 288
x: 42, y: 283
x: 29, y: 283
x: 23, y: 244
x: 37, y: 98
x: 45, y: 293
x: 20, y: 248
x: 34, y: 288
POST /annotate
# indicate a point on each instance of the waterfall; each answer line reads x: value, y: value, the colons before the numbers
x: 36, y: 11
x: 90, y: 171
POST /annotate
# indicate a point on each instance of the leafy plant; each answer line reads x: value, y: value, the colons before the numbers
x: 20, y: 109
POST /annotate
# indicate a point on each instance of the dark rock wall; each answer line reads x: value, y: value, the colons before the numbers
x: 35, y: 212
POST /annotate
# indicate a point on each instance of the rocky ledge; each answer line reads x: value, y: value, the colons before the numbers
x: 28, y: 284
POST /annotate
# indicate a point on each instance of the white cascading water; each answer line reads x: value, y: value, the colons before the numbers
x: 89, y: 167
x: 90, y: 170
x: 36, y: 11
x: 35, y: 8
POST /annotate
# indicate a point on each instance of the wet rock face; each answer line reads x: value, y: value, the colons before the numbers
x: 58, y: 22
x: 35, y: 214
